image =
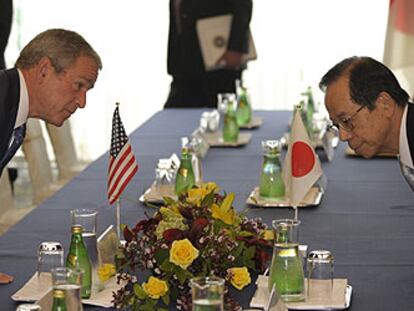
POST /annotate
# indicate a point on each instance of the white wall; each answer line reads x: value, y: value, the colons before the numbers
x: 297, y: 42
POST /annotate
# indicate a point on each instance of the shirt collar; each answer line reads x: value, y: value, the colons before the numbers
x: 23, y: 111
x: 405, y: 155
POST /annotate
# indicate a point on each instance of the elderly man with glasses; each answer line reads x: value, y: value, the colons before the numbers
x: 370, y: 110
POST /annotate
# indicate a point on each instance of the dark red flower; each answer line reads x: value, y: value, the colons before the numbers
x: 128, y: 234
x: 173, y: 234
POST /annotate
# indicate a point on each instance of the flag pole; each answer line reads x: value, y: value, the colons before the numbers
x: 118, y: 219
x: 295, y: 208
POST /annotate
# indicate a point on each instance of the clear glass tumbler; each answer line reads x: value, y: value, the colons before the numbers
x: 50, y: 255
x: 207, y: 293
x: 320, y: 276
x: 70, y: 282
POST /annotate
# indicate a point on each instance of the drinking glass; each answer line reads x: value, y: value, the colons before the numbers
x: 207, y: 293
x: 69, y: 281
x: 320, y: 269
x: 286, y: 270
x: 87, y: 218
x: 227, y: 106
x: 29, y: 307
x: 50, y: 255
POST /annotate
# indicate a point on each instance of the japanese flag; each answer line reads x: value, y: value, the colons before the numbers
x: 301, y: 168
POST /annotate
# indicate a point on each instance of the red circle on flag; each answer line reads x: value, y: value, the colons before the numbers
x: 303, y: 159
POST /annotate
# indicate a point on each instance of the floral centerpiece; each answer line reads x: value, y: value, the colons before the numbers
x: 200, y: 234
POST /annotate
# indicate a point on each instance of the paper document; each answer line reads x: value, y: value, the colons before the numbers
x: 213, y: 34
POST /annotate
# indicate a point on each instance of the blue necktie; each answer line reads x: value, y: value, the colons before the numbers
x: 18, y: 137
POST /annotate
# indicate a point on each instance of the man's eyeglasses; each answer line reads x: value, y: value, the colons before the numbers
x: 345, y: 123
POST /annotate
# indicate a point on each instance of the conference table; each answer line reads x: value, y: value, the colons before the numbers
x: 366, y: 216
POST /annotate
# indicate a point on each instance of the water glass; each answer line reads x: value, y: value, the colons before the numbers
x: 207, y: 293
x: 70, y: 281
x: 50, y: 255
x: 29, y: 307
x: 286, y: 230
x: 320, y: 269
x: 87, y: 218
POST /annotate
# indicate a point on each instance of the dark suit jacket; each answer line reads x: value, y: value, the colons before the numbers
x: 410, y: 129
x: 9, y: 103
x: 184, y: 54
x: 6, y: 12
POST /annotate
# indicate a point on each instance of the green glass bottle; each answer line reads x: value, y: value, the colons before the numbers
x: 271, y: 181
x: 244, y: 110
x: 230, y: 126
x: 185, y: 179
x: 59, y: 302
x: 310, y: 108
x: 78, y: 258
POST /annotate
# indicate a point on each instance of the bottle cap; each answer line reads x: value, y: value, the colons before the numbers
x: 77, y: 229
x: 58, y: 293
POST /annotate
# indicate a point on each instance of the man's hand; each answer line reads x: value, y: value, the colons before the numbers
x: 5, y: 279
x: 231, y: 60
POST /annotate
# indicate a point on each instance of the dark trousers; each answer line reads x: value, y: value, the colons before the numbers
x: 201, y: 91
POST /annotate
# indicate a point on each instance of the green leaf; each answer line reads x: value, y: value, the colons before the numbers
x: 239, y: 249
x: 249, y: 253
x: 181, y: 275
x: 208, y: 200
x: 147, y: 307
x: 168, y: 201
x: 245, y: 233
x: 167, y: 266
x: 249, y: 264
x: 166, y: 299
x: 161, y: 255
x: 139, y: 292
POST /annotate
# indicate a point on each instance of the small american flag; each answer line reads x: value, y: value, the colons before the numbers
x: 122, y: 163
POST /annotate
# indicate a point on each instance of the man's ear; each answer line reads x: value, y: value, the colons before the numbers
x: 386, y: 103
x: 44, y: 68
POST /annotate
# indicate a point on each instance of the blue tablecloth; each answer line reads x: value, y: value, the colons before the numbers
x: 366, y: 217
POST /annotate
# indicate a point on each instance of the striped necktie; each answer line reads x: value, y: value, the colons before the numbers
x: 18, y: 137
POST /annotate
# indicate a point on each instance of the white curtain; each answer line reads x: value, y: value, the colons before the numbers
x: 297, y: 42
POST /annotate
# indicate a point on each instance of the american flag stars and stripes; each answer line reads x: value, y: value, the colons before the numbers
x: 122, y: 163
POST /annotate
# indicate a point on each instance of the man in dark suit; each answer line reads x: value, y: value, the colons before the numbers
x: 192, y: 85
x: 52, y: 75
x: 6, y: 13
x: 370, y: 110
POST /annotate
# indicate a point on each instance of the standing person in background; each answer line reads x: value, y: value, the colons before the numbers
x: 192, y: 85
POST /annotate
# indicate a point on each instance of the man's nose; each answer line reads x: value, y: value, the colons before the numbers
x: 344, y: 135
x: 81, y: 100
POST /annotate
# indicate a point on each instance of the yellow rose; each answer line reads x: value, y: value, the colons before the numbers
x: 106, y: 271
x: 268, y: 235
x: 155, y: 288
x: 240, y: 277
x: 183, y: 253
